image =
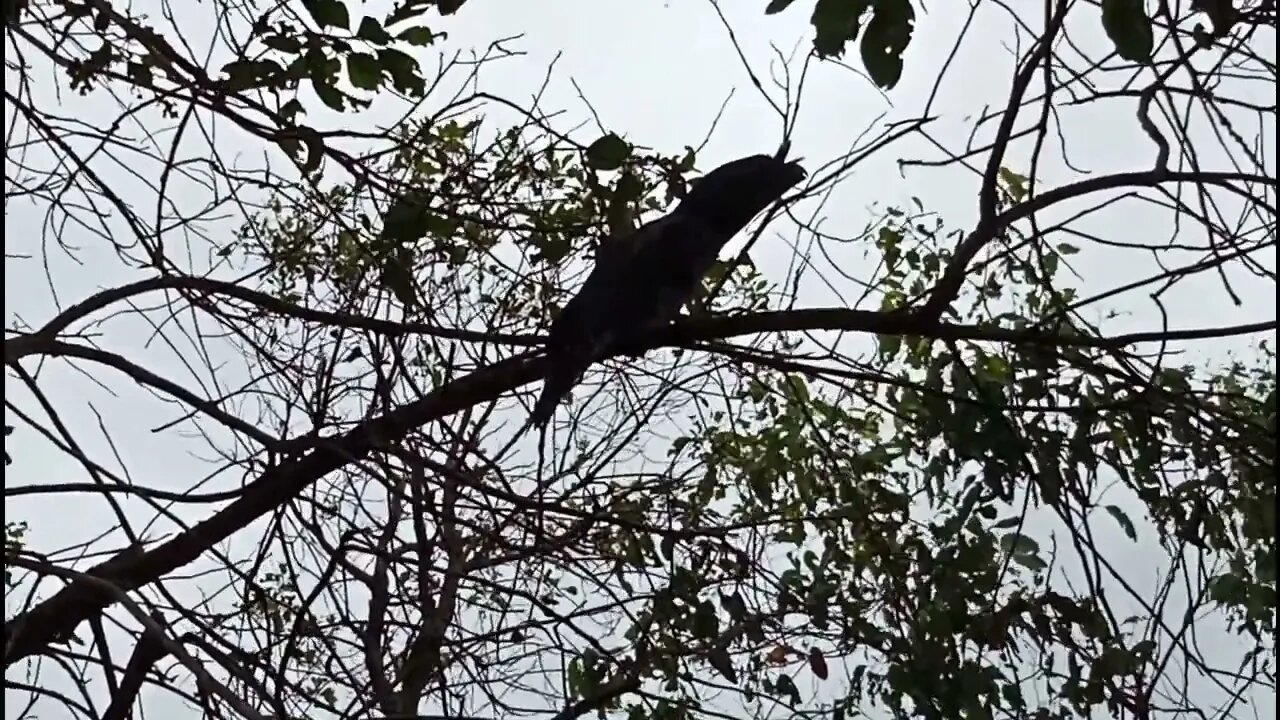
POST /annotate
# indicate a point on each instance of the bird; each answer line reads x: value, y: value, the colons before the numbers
x: 642, y: 279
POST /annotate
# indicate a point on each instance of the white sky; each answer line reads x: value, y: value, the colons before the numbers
x: 656, y: 73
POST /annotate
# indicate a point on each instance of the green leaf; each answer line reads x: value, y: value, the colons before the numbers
x: 1067, y: 249
x: 777, y: 6
x: 608, y: 153
x: 364, y: 71
x: 1129, y: 28
x: 372, y: 30
x: 1014, y: 183
x: 328, y: 13
x: 418, y: 36
x: 885, y: 39
x: 889, y: 345
x: 1125, y: 523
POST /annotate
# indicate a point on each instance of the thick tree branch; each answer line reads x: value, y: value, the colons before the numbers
x: 58, y: 616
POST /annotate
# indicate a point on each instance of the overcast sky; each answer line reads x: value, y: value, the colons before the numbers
x: 657, y: 73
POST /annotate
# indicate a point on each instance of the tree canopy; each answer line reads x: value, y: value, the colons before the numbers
x: 277, y: 276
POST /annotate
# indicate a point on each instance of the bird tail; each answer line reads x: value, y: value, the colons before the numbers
x: 565, y: 367
x: 559, y: 381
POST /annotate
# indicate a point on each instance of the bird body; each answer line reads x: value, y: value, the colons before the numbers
x: 643, y: 279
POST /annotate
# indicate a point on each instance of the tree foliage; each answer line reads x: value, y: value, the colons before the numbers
x: 285, y: 353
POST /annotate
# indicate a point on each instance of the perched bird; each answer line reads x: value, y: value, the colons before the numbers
x: 641, y: 281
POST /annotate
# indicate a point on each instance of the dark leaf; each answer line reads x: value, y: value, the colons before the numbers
x: 668, y: 547
x: 403, y: 70
x: 1129, y: 28
x: 689, y: 160
x: 372, y: 30
x: 734, y: 603
x: 405, y: 220
x: 1228, y: 589
x: 12, y: 14
x: 608, y: 153
x: 327, y: 93
x: 418, y: 36
x: 289, y: 111
x: 245, y: 74
x: 407, y: 9
x: 818, y: 663
x: 283, y: 43
x: 836, y: 22
x: 304, y: 145
x: 1031, y: 562
x: 718, y: 658
x: 449, y: 7
x: 1125, y: 523
x: 787, y: 686
x: 1009, y: 522
x: 397, y: 276
x: 140, y: 73
x: 705, y: 622
x: 328, y: 13
x: 885, y: 39
x: 777, y: 6
x: 1018, y: 544
x: 364, y: 71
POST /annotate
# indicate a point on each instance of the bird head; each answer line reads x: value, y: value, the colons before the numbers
x: 729, y: 196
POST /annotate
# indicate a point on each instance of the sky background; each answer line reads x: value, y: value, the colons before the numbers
x: 656, y: 73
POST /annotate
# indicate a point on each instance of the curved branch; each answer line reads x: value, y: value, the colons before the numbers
x: 948, y: 287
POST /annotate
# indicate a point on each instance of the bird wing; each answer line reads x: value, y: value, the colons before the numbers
x: 641, y: 280
x: 619, y: 295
